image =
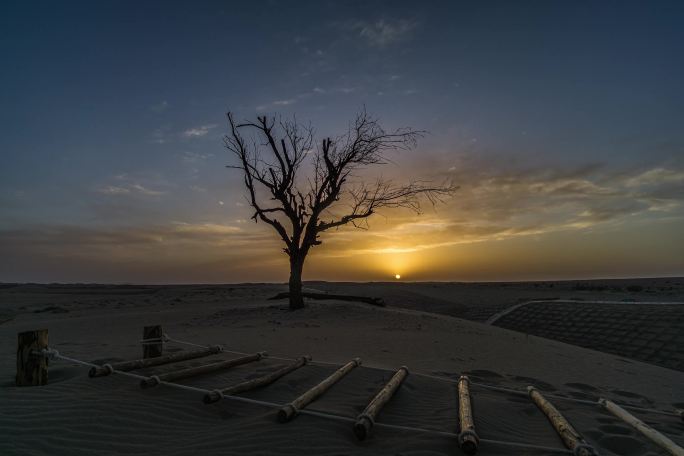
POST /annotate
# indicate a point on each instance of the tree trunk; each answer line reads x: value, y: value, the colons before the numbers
x: 296, y: 267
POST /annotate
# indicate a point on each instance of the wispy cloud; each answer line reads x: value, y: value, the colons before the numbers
x: 495, y: 205
x: 127, y: 187
x: 146, y: 191
x: 160, y: 107
x: 114, y: 190
x: 195, y: 157
x: 96, y: 241
x: 160, y: 135
x: 385, y: 32
x: 656, y: 176
x: 198, y: 132
x: 284, y: 102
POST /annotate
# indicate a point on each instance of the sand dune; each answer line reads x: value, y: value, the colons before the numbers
x: 112, y: 415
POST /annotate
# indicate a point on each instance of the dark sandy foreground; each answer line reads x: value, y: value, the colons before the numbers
x: 77, y: 415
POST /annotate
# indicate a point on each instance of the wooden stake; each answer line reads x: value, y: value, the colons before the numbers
x: 289, y: 411
x: 248, y: 385
x: 152, y: 350
x: 32, y: 369
x: 655, y: 436
x: 572, y: 439
x: 468, y: 440
x: 199, y: 370
x: 364, y: 422
x: 126, y: 366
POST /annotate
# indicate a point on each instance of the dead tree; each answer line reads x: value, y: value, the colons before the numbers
x: 298, y: 187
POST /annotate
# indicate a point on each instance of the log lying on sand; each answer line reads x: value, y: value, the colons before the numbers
x: 655, y: 436
x: 125, y: 366
x: 248, y: 385
x: 572, y: 439
x: 199, y: 370
x: 366, y: 420
x: 289, y: 411
x: 468, y: 440
x: 372, y: 301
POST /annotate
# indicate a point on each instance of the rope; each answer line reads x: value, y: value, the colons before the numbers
x: 155, y: 341
x: 183, y: 342
x: 502, y: 389
x: 483, y: 385
x: 54, y: 354
x: 565, y: 398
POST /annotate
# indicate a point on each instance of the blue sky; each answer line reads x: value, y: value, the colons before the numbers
x: 112, y: 116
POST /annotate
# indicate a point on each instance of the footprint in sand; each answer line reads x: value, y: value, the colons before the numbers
x: 536, y: 383
x: 619, y: 444
x: 628, y: 394
x: 638, y: 397
x: 582, y: 387
x: 483, y: 374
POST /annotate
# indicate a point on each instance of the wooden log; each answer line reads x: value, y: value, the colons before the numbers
x: 323, y: 296
x: 32, y: 369
x: 152, y: 350
x: 126, y: 366
x: 572, y: 439
x: 200, y: 370
x: 366, y: 420
x: 468, y: 439
x: 289, y: 411
x: 650, y: 433
x: 248, y: 385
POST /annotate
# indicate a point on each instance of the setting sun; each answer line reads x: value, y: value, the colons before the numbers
x: 397, y: 276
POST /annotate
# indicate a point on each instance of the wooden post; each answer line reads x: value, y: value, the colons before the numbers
x: 289, y: 411
x: 126, y: 366
x: 364, y: 422
x: 655, y: 436
x: 248, y: 385
x: 572, y: 439
x: 32, y: 370
x: 468, y: 440
x: 199, y: 370
x: 152, y: 350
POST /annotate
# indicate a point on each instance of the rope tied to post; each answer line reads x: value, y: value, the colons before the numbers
x: 155, y: 340
x: 48, y: 353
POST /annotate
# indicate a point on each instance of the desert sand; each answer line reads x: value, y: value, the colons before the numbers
x: 435, y: 329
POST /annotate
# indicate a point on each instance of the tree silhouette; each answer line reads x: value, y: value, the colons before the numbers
x: 304, y: 183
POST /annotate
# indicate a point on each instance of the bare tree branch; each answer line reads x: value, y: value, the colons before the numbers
x: 271, y: 170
